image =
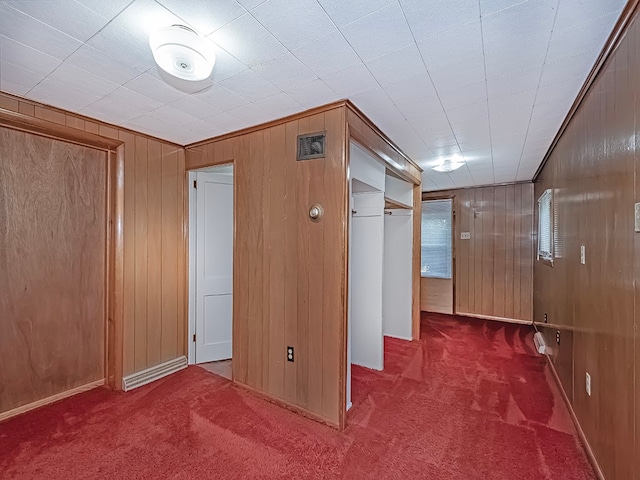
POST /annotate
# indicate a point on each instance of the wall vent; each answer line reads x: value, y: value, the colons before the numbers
x: 311, y: 146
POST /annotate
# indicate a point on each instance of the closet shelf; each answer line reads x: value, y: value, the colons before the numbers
x: 391, y: 204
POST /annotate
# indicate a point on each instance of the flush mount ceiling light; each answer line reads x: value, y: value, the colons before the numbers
x: 449, y: 164
x: 181, y: 52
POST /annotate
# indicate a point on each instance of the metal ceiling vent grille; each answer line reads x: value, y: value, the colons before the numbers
x: 311, y: 146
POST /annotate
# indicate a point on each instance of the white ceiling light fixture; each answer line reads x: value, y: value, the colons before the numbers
x: 181, y: 52
x: 449, y: 164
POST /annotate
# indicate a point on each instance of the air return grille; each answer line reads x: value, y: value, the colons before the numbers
x: 311, y: 146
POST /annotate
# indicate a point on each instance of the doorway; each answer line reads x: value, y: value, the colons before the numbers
x: 211, y: 238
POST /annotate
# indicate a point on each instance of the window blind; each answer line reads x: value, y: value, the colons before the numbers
x: 436, y: 239
x: 545, y: 225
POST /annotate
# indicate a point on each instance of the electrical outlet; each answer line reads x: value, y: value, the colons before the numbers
x: 546, y: 319
x: 583, y: 254
x: 558, y: 337
x: 290, y: 354
x: 465, y: 235
x: 587, y: 384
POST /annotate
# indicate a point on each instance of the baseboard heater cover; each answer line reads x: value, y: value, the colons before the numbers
x: 152, y: 374
x: 541, y: 346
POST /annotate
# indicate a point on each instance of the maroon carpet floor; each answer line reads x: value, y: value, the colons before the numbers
x: 471, y: 400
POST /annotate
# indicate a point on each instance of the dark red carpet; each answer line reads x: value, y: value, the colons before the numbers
x: 471, y: 400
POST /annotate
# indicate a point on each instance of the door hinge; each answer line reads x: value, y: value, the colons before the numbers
x: 194, y: 337
x: 195, y: 184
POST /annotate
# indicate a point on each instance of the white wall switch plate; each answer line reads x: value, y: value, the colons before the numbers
x: 588, y: 384
x: 583, y: 254
x: 465, y: 235
x: 637, y: 216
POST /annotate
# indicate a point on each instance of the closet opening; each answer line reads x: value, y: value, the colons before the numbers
x: 380, y: 260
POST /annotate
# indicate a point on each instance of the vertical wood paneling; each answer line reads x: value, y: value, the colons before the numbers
x: 592, y: 171
x: 266, y: 258
x: 416, y: 261
x: 54, y: 209
x: 128, y: 353
x: 509, y: 246
x: 140, y: 249
x: 254, y: 297
x: 333, y: 196
x: 154, y: 253
x: 303, y: 194
x: 278, y: 259
x: 170, y: 238
x: 154, y: 199
x: 291, y: 266
x: 289, y: 272
x: 499, y: 252
x: 461, y: 251
x: 181, y: 324
x: 493, y: 268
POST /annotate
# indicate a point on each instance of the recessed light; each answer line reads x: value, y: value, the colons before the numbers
x: 181, y: 52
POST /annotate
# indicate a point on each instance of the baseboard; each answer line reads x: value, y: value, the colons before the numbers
x: 152, y: 374
x: 289, y: 406
x: 587, y: 447
x: 53, y: 398
x: 496, y: 319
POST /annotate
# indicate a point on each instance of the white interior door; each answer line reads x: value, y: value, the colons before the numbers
x: 214, y: 266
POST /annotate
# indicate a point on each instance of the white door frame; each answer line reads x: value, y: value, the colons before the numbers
x: 193, y: 216
x: 192, y: 274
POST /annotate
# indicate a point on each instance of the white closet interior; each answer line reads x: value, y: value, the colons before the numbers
x: 380, y: 253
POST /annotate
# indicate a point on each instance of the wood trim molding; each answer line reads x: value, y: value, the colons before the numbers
x: 26, y: 123
x: 342, y: 397
x: 416, y: 261
x: 79, y: 116
x: 380, y: 133
x: 115, y: 293
x: 619, y: 30
x: 282, y: 403
x: 583, y: 438
x: 353, y: 134
x: 269, y: 124
x: 53, y: 398
x: 114, y: 255
x: 444, y: 193
x: 496, y: 319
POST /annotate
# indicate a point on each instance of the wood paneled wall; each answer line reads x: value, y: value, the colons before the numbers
x: 53, y: 224
x: 154, y: 237
x: 289, y: 272
x: 494, y: 269
x: 592, y: 171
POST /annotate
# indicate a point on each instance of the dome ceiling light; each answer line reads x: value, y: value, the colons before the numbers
x: 449, y: 164
x: 181, y: 52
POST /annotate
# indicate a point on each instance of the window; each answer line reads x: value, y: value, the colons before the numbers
x: 545, y: 226
x: 436, y: 239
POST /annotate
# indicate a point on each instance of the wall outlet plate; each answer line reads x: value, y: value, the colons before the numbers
x: 558, y: 337
x: 637, y: 216
x: 583, y: 254
x: 546, y: 319
x: 290, y: 354
x: 465, y: 235
x: 587, y: 383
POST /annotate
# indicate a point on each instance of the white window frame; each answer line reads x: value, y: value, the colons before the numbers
x: 546, y: 214
x: 424, y: 274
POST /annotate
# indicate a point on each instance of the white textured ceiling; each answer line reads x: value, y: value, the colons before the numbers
x: 490, y: 80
